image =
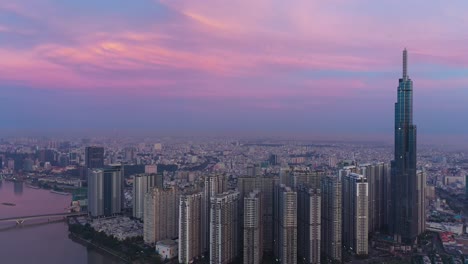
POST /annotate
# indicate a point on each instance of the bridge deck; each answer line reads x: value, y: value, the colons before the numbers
x: 29, y: 217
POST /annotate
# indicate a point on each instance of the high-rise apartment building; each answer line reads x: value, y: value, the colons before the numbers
x: 142, y: 184
x: 377, y: 175
x: 266, y: 184
x: 253, y: 228
x: 331, y: 218
x: 161, y: 215
x: 285, y: 221
x: 214, y: 184
x: 190, y: 236
x: 309, y: 178
x: 422, y: 176
x: 466, y: 186
x: 223, y: 228
x: 355, y: 213
x: 308, y: 224
x: 405, y: 205
x: 273, y: 159
x: 105, y: 191
x: 254, y: 170
x: 94, y: 157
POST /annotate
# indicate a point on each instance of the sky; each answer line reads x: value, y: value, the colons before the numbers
x: 249, y: 66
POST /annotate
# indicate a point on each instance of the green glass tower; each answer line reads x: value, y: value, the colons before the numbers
x: 405, y: 205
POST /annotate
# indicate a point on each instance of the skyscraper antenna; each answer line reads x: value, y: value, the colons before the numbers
x: 405, y: 64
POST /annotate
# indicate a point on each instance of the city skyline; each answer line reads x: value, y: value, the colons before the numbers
x: 253, y: 68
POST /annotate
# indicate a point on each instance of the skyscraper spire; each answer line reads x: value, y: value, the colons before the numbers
x: 405, y: 64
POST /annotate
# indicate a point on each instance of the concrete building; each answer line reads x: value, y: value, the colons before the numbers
x: 331, y: 218
x: 223, y: 228
x: 308, y: 178
x: 266, y: 184
x: 254, y: 170
x: 308, y: 224
x: 355, y: 197
x: 214, y: 184
x: 94, y: 157
x: 190, y: 236
x: 161, y: 215
x: 253, y: 228
x: 466, y: 186
x: 152, y: 168
x: 376, y: 175
x: 421, y: 188
x: 167, y: 249
x: 142, y: 184
x: 285, y: 221
x: 105, y: 191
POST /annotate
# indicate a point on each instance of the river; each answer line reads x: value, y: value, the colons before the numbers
x: 39, y: 242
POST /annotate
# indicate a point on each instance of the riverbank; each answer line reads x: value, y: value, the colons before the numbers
x: 127, y: 251
x: 87, y: 243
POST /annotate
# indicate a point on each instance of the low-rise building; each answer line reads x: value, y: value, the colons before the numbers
x: 168, y: 249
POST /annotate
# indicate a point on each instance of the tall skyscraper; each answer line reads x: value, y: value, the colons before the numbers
x: 105, y: 191
x: 309, y: 178
x: 214, y: 184
x: 405, y: 206
x: 466, y: 186
x: 285, y: 221
x: 266, y: 184
x: 308, y: 224
x: 94, y: 157
x: 253, y: 228
x: 331, y: 218
x: 376, y: 175
x: 142, y: 184
x: 161, y: 213
x: 355, y: 213
x: 190, y: 236
x: 422, y: 200
x: 223, y: 228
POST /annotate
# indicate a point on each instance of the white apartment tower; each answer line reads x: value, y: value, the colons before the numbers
x: 253, y: 228
x: 285, y: 242
x: 331, y: 218
x: 160, y: 215
x: 142, y: 184
x: 190, y: 236
x: 309, y: 224
x: 355, y: 213
x: 223, y: 228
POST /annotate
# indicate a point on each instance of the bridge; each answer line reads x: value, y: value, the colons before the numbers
x: 21, y: 219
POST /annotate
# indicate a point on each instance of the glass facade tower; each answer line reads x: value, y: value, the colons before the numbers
x: 405, y: 204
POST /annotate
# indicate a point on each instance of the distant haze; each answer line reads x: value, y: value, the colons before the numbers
x: 325, y: 69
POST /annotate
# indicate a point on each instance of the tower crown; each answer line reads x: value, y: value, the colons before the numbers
x: 405, y: 64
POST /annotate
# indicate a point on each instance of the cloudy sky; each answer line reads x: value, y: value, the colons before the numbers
x: 300, y: 66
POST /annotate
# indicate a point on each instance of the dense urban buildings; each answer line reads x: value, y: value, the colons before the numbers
x: 405, y: 206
